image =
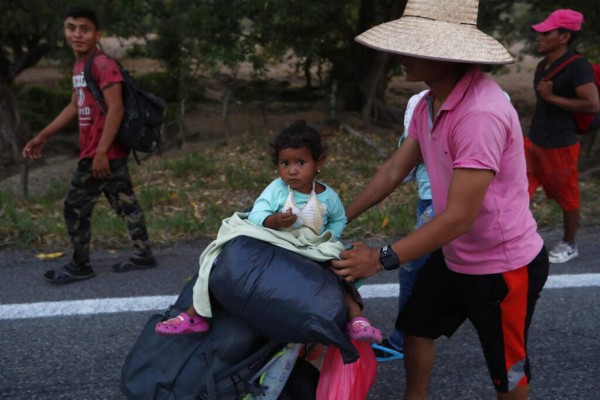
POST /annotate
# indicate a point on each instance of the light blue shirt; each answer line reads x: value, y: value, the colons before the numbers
x: 273, y: 198
x: 421, y: 175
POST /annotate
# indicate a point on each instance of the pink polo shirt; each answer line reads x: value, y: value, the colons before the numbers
x: 478, y: 128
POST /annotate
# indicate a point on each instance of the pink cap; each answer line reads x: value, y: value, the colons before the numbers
x: 566, y: 19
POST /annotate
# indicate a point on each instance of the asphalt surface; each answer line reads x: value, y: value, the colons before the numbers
x: 80, y: 356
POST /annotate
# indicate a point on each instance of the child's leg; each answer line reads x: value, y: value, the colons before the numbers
x: 192, y: 312
x: 353, y: 307
x: 359, y: 328
x: 185, y: 323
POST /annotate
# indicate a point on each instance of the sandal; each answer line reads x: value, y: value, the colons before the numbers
x: 182, y: 324
x: 134, y: 263
x: 360, y: 329
x: 66, y: 274
x: 386, y: 351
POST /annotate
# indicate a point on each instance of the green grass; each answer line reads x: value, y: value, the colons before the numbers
x: 30, y: 222
x: 546, y: 212
x: 190, y: 165
x: 186, y: 195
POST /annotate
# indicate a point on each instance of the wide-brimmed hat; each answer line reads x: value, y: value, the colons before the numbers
x: 440, y: 30
x: 567, y: 19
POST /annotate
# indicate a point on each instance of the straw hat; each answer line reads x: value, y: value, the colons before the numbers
x: 439, y: 30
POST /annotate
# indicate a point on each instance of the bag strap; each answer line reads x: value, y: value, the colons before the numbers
x: 241, y: 375
x: 91, y: 83
x: 560, y: 67
x: 211, y: 385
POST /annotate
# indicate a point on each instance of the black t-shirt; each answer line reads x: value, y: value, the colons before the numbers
x: 553, y: 126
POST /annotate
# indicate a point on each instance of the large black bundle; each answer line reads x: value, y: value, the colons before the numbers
x: 219, y: 364
x: 281, y: 295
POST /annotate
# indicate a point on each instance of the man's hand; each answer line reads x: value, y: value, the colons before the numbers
x: 101, y: 166
x: 33, y: 148
x: 361, y: 261
x: 545, y: 89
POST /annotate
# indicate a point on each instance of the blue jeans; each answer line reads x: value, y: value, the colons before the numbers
x: 408, y: 272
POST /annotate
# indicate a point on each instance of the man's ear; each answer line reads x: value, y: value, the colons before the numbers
x: 98, y: 37
x: 565, y: 37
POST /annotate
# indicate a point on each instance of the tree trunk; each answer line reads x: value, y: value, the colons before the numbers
x: 11, y: 130
x: 372, y: 69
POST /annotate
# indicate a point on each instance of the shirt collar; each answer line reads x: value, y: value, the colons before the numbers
x: 457, y: 94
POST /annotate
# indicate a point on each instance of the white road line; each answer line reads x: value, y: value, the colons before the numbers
x: 159, y: 303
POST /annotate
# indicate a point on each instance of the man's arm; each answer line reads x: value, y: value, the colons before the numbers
x: 587, y: 100
x: 386, y: 179
x: 34, y: 148
x: 114, y: 102
x: 465, y: 197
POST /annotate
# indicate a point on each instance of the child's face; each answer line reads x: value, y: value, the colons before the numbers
x: 81, y: 35
x: 298, y: 168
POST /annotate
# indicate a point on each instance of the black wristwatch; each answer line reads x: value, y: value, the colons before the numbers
x: 388, y: 258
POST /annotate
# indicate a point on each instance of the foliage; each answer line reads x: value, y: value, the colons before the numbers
x: 32, y: 29
x: 186, y: 195
x: 189, y: 36
x: 160, y: 82
x: 29, y: 30
x: 38, y: 105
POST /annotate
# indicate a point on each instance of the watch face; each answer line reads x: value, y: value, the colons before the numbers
x: 388, y: 259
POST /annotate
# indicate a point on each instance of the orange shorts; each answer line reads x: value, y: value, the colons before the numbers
x: 556, y: 171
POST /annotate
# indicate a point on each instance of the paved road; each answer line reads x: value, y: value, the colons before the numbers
x: 79, y: 356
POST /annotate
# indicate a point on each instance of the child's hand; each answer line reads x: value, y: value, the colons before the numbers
x: 283, y: 219
x: 286, y: 219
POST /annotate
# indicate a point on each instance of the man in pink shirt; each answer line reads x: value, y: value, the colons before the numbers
x: 489, y: 264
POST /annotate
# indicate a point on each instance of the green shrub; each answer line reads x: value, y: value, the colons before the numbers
x: 160, y: 83
x: 38, y: 105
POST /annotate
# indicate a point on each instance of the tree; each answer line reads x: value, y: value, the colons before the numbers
x: 30, y: 31
x: 204, y: 35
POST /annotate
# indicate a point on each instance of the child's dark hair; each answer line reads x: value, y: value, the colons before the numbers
x: 82, y: 12
x: 297, y: 136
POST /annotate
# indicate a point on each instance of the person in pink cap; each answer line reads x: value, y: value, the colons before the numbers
x: 552, y: 149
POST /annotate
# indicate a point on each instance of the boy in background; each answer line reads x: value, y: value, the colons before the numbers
x: 102, y: 166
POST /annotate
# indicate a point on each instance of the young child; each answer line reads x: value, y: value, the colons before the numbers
x: 294, y: 200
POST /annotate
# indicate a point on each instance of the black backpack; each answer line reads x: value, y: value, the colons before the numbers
x: 219, y: 364
x: 144, y: 112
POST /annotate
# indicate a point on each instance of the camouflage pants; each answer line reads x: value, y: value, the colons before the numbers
x: 80, y: 202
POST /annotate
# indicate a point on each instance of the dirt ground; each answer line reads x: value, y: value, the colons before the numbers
x: 207, y: 122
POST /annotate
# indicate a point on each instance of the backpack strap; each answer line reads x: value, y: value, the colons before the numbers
x: 96, y: 92
x: 242, y: 375
x: 91, y: 83
x: 211, y: 385
x: 560, y: 67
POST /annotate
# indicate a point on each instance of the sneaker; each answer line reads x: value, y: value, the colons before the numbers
x: 563, y: 252
x: 386, y: 351
x: 134, y: 263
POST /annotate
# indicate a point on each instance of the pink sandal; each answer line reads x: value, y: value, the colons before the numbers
x: 182, y: 324
x: 360, y: 329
